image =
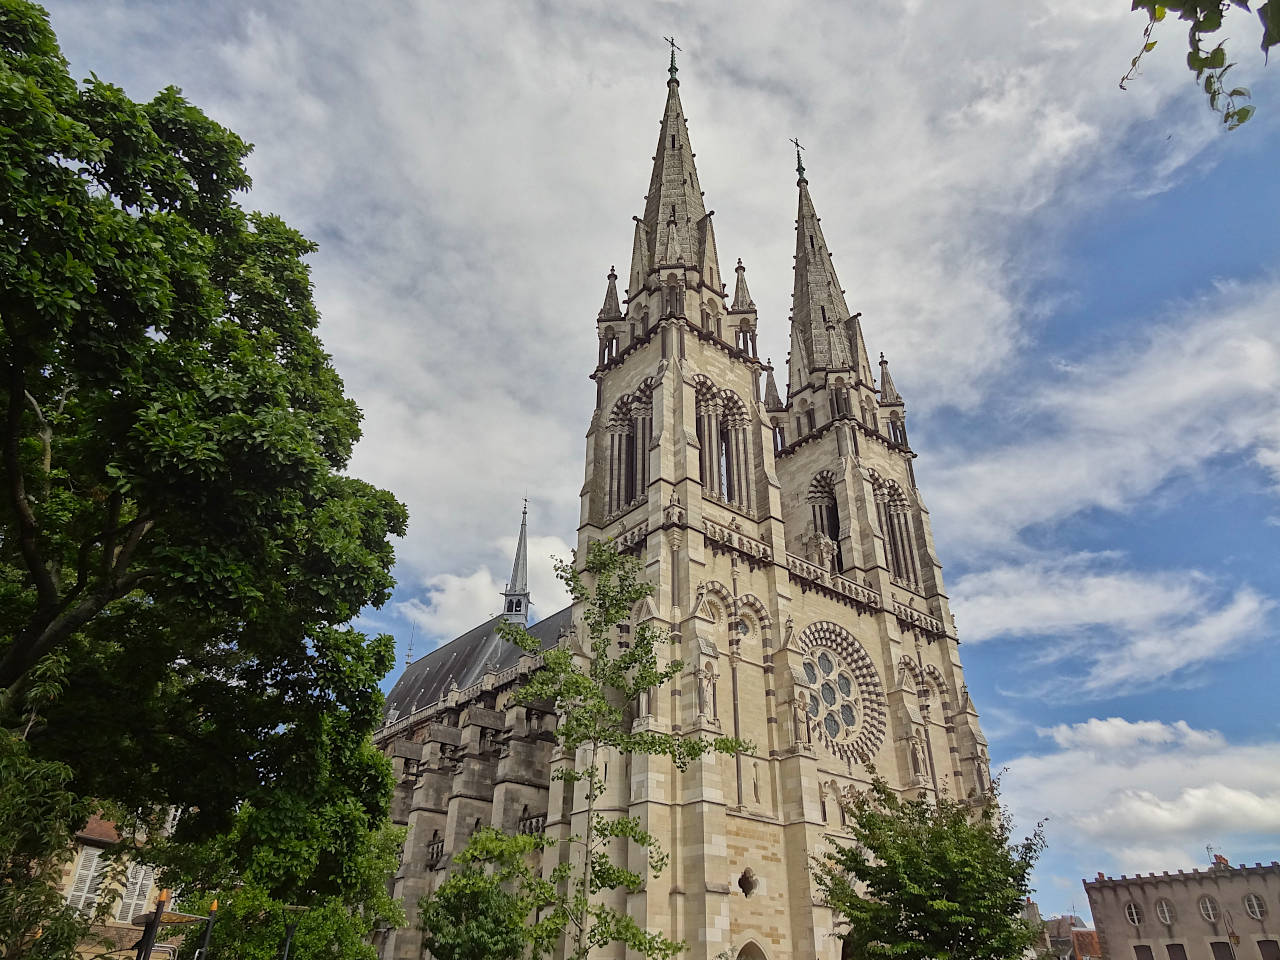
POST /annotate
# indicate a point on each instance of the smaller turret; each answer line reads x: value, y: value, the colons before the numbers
x: 612, y: 309
x: 895, y: 408
x: 889, y: 395
x: 772, y: 402
x: 515, y: 599
x: 742, y: 315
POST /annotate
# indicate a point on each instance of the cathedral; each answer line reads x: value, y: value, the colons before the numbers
x: 792, y: 560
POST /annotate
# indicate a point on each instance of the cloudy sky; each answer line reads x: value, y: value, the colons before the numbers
x: 1077, y: 287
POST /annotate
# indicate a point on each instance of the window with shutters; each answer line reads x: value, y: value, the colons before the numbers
x: 137, y: 889
x: 90, y: 871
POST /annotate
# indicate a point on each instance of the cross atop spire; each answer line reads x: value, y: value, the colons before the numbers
x: 824, y: 336
x: 799, y: 162
x: 673, y: 69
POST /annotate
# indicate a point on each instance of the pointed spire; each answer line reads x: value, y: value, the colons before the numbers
x: 674, y: 199
x: 612, y: 309
x: 888, y: 392
x: 516, y: 596
x: 854, y: 327
x: 771, y: 399
x: 741, y: 295
x: 819, y: 332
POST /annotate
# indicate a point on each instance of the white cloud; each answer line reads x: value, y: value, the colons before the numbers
x: 1203, y: 384
x: 453, y: 605
x: 1116, y: 733
x: 1108, y: 628
x: 469, y: 188
x: 1124, y: 796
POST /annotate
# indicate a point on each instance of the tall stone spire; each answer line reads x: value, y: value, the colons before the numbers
x: 674, y: 199
x: 612, y: 309
x: 741, y: 295
x: 771, y: 399
x: 515, y: 605
x: 820, y: 329
x: 888, y: 392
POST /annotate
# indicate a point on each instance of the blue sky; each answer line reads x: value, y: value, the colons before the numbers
x: 1077, y: 287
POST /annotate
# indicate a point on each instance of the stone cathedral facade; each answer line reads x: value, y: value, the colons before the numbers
x: 790, y: 552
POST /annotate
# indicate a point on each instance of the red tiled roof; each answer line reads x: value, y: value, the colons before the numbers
x: 98, y: 830
x: 1084, y: 943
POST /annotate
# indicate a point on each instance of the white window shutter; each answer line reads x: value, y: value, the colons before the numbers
x: 89, y: 873
x: 136, y: 891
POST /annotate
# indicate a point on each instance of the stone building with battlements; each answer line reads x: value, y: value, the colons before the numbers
x: 1222, y: 913
x: 791, y: 554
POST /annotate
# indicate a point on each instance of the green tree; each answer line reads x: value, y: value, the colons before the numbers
x: 593, y: 692
x: 176, y: 524
x: 487, y: 909
x: 926, y: 880
x: 252, y: 920
x: 1209, y: 65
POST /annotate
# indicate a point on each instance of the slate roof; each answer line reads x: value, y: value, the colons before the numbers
x: 463, y: 660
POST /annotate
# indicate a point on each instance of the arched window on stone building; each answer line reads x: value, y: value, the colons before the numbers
x: 894, y: 512
x: 608, y: 345
x: 869, y: 415
x: 824, y: 511
x: 726, y: 463
x: 673, y: 296
x: 897, y: 428
x: 629, y: 431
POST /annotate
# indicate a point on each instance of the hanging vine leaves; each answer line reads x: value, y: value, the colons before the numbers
x: 1209, y: 64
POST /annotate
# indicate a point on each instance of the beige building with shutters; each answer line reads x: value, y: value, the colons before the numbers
x: 94, y: 879
x: 792, y: 558
x: 1223, y: 913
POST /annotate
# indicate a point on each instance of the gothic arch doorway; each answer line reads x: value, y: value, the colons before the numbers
x: 751, y: 951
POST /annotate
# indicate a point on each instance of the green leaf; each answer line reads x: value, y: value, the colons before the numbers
x: 1149, y: 46
x: 1269, y: 14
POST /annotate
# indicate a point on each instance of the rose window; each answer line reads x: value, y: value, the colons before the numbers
x: 836, y: 702
x: 844, y: 699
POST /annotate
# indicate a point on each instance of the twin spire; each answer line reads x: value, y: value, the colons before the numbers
x: 676, y: 231
x: 676, y: 228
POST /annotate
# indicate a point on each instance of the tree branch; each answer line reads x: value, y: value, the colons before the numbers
x: 46, y: 439
x: 35, y: 643
x: 28, y: 529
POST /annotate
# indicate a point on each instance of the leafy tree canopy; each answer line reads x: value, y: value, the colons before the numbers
x: 929, y: 881
x: 253, y: 923
x: 181, y: 549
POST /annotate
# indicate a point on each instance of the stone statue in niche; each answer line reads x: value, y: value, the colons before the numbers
x: 707, y: 695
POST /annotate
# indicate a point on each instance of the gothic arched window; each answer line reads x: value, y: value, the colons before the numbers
x: 727, y: 460
x: 629, y: 430
x: 824, y: 512
x: 894, y: 512
x: 897, y: 428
